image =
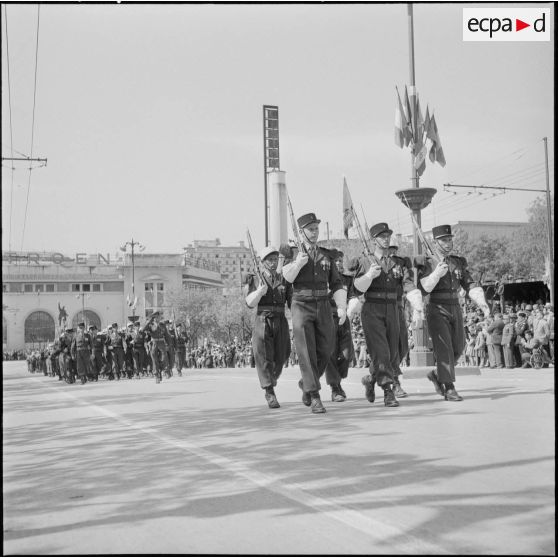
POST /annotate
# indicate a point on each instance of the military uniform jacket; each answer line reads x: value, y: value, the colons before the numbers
x: 115, y: 340
x: 160, y: 333
x: 81, y: 342
x: 279, y: 292
x: 447, y: 289
x: 181, y: 340
x: 65, y: 343
x: 139, y: 338
x: 508, y: 334
x: 402, y: 262
x: 98, y: 342
x: 317, y: 278
x: 395, y: 278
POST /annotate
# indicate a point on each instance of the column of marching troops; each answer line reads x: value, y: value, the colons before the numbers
x: 154, y: 349
x: 321, y: 296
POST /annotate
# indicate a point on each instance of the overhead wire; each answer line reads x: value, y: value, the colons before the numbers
x: 32, y: 125
x: 11, y: 126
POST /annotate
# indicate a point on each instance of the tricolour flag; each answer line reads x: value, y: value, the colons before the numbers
x: 347, y: 209
x: 436, y: 151
x: 402, y: 131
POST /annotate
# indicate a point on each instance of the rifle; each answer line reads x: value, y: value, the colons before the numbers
x: 428, y: 248
x: 367, y: 252
x: 254, y: 258
x: 298, y: 240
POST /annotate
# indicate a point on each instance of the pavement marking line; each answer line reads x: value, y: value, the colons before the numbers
x: 377, y: 530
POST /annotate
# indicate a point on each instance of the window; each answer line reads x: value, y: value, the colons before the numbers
x: 154, y: 297
x: 28, y: 288
x: 4, y: 330
x: 75, y: 287
x: 39, y: 328
x: 39, y: 288
x: 49, y: 287
x: 86, y: 287
x: 63, y: 287
x: 4, y: 287
x: 96, y: 287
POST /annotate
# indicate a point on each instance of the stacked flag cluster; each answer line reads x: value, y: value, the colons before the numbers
x: 412, y: 129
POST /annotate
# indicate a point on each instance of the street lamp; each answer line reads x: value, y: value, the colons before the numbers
x: 133, y: 243
x: 83, y: 297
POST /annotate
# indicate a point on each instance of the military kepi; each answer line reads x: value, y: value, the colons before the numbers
x: 379, y: 228
x: 267, y: 251
x: 441, y: 230
x: 307, y: 219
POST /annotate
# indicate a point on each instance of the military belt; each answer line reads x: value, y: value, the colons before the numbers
x: 447, y: 297
x: 381, y: 296
x: 311, y: 292
x: 271, y: 308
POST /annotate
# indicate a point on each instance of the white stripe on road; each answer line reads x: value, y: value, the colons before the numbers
x: 380, y: 532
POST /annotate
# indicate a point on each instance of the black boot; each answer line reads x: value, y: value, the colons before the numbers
x: 438, y: 386
x: 451, y: 394
x: 389, y: 397
x: 316, y: 403
x: 306, y: 398
x: 368, y: 384
x: 271, y: 398
x: 398, y: 390
x: 337, y: 393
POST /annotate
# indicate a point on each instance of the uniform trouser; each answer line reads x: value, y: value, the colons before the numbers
x: 108, y: 363
x: 159, y: 356
x: 380, y: 322
x: 97, y: 362
x: 180, y: 355
x: 118, y: 360
x: 129, y: 359
x: 343, y: 353
x: 272, y: 345
x: 403, y: 345
x: 140, y: 358
x: 445, y: 324
x: 509, y: 359
x: 64, y: 362
x: 83, y: 362
x: 170, y: 357
x: 517, y: 354
x: 313, y: 332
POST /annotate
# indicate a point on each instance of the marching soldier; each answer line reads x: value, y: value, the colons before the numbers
x: 442, y: 281
x: 81, y: 352
x: 181, y: 341
x: 314, y: 275
x: 115, y: 346
x: 139, y: 354
x: 343, y: 353
x: 98, y: 342
x: 270, y: 335
x: 65, y: 359
x: 129, y: 350
x: 380, y: 314
x: 158, y: 345
x: 171, y: 348
x: 403, y: 345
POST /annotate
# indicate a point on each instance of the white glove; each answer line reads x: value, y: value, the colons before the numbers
x: 476, y: 294
x: 431, y: 280
x: 354, y: 307
x: 440, y: 270
x: 254, y: 297
x: 415, y: 298
x: 340, y: 298
x: 363, y: 282
x: 291, y: 270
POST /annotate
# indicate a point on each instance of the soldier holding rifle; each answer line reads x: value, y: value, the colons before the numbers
x: 441, y: 276
x: 267, y: 291
x: 378, y: 278
x: 313, y: 275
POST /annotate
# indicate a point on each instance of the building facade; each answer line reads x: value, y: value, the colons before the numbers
x: 42, y: 291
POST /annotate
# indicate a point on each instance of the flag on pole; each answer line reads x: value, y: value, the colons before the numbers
x: 347, y: 209
x: 420, y: 126
x: 436, y: 151
x: 402, y: 132
x: 410, y: 113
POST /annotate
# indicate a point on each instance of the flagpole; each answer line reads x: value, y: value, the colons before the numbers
x: 414, y: 173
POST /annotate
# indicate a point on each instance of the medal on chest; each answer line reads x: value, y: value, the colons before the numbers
x: 326, y: 264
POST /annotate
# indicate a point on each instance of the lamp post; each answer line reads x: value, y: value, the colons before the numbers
x: 132, y: 244
x: 83, y: 297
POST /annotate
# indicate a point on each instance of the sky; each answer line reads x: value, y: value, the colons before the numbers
x: 150, y: 117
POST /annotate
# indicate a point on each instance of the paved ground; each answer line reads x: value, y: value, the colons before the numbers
x: 200, y: 465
